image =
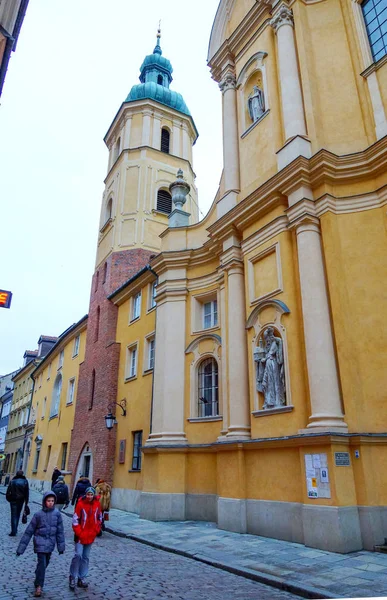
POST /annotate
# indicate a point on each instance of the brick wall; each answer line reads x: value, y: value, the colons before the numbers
x: 102, y: 356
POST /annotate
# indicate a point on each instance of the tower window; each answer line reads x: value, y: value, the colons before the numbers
x: 375, y: 17
x: 108, y: 213
x: 164, y: 201
x: 165, y: 140
x: 160, y: 79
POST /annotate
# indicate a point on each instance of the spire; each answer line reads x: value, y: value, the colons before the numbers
x: 157, y: 49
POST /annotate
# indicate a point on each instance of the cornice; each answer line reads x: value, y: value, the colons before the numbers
x: 133, y: 287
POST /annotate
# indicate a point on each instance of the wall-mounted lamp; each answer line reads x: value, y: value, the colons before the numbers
x: 110, y: 419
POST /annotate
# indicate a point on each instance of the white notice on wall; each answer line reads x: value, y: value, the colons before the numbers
x: 317, y: 477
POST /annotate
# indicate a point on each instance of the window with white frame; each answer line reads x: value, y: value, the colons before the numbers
x: 77, y: 341
x: 210, y: 314
x: 137, y: 445
x: 375, y: 17
x: 131, y: 361
x: 60, y: 359
x: 49, y: 371
x: 151, y: 353
x: 152, y: 294
x: 55, y: 401
x: 208, y: 391
x: 70, y: 391
x: 136, y: 306
x: 44, y: 407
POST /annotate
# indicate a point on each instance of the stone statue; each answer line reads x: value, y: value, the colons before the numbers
x: 270, y: 369
x: 256, y: 103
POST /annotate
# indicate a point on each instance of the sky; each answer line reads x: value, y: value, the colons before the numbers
x: 74, y: 65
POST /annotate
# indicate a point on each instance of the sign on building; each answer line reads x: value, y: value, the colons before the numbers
x: 5, y: 299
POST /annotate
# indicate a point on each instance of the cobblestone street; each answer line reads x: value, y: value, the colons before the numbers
x: 121, y: 568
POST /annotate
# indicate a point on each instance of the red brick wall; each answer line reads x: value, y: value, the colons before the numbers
x: 101, y: 354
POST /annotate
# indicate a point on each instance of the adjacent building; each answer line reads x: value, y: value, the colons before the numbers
x: 12, y: 13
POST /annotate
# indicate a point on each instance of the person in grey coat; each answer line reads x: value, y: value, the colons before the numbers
x: 47, y: 528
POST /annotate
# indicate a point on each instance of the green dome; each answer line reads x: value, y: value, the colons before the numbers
x: 155, y: 77
x: 159, y: 93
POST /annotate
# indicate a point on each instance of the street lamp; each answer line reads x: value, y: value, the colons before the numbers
x: 110, y: 419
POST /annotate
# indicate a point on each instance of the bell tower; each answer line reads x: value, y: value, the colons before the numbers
x: 149, y: 140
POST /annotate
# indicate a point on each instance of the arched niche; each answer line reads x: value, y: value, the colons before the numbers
x: 269, y: 331
x: 252, y: 82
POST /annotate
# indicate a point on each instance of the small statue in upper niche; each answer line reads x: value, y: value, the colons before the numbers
x: 270, y: 369
x: 256, y: 103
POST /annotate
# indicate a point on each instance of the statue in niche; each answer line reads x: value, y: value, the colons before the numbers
x: 269, y: 357
x: 256, y: 103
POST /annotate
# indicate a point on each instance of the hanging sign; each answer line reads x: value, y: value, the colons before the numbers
x: 5, y: 299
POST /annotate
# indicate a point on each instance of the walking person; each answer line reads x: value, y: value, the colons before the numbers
x: 87, y: 521
x: 47, y: 528
x: 18, y: 493
x: 104, y: 491
x: 55, y: 474
x: 61, y: 492
x: 82, y: 484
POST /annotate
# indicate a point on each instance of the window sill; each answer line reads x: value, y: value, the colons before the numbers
x: 105, y: 225
x: 205, y: 419
x: 127, y: 379
x: 208, y: 329
x: 41, y: 418
x: 272, y: 411
x: 374, y: 66
x: 69, y: 403
x: 255, y: 124
x: 53, y: 417
x: 134, y: 320
x: 74, y: 355
x: 151, y: 309
x: 34, y: 471
x: 160, y: 212
x: 134, y: 471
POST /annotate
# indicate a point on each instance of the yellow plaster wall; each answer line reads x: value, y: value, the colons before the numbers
x: 55, y: 430
x: 136, y: 391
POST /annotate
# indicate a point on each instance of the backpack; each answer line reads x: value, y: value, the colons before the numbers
x: 60, y: 492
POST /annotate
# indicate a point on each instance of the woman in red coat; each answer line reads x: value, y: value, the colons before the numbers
x: 87, y: 521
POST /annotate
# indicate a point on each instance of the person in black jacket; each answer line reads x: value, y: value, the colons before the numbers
x: 61, y: 492
x: 55, y: 474
x: 80, y: 489
x: 18, y: 493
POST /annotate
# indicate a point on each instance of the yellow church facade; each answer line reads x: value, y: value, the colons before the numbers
x: 250, y: 347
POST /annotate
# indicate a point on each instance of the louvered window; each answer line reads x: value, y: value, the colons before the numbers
x: 165, y: 140
x: 164, y: 201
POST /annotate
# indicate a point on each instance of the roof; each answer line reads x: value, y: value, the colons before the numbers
x: 47, y: 338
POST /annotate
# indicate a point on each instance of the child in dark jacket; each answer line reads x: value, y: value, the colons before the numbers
x: 47, y: 528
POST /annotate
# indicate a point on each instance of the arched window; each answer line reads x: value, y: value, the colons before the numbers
x: 164, y: 201
x: 160, y: 79
x: 165, y: 136
x: 208, y: 392
x: 109, y: 210
x: 55, y: 401
x: 375, y: 19
x: 92, y: 390
x: 117, y: 148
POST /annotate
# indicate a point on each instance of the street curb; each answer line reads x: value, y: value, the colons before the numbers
x: 305, y: 591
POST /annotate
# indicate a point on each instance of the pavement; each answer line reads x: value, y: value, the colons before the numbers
x: 292, y: 568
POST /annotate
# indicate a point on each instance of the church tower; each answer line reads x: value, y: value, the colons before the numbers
x: 149, y: 140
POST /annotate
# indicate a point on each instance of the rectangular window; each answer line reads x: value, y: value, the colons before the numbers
x: 37, y: 454
x: 44, y: 407
x: 47, y: 458
x: 61, y: 359
x: 210, y: 314
x: 64, y: 457
x: 151, y: 353
x: 136, y: 306
x: 121, y: 453
x: 70, y: 391
x: 375, y: 18
x: 76, y: 345
x: 152, y: 294
x: 137, y: 444
x: 49, y: 371
x: 131, y: 370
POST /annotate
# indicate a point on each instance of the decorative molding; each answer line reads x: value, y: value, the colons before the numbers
x: 274, y: 249
x: 351, y: 204
x: 255, y: 123
x: 206, y: 336
x: 265, y: 233
x: 228, y: 82
x: 257, y: 58
x: 272, y: 411
x: 278, y: 304
x: 284, y: 16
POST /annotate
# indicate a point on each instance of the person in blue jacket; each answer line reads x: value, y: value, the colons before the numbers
x: 47, y: 528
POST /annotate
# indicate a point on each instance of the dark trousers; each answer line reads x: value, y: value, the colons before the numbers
x: 16, y: 508
x: 43, y: 562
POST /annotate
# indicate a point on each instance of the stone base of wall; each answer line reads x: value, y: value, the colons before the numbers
x: 125, y: 499
x: 40, y: 485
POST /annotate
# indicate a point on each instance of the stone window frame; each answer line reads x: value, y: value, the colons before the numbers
x: 133, y: 314
x: 56, y: 394
x: 76, y: 345
x: 254, y: 322
x: 197, y: 311
x: 151, y: 295
x: 130, y: 349
x: 70, y: 399
x: 198, y: 358
x: 146, y: 357
x: 259, y: 59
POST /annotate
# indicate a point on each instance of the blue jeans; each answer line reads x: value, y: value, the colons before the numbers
x: 80, y: 564
x: 43, y: 560
x: 16, y: 508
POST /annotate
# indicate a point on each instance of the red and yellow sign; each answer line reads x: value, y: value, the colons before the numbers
x: 5, y: 299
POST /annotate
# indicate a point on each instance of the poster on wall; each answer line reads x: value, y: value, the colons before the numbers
x: 317, y: 476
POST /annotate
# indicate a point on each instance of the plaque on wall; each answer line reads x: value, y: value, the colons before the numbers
x: 342, y: 459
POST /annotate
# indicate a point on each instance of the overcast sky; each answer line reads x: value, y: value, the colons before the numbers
x: 73, y: 67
